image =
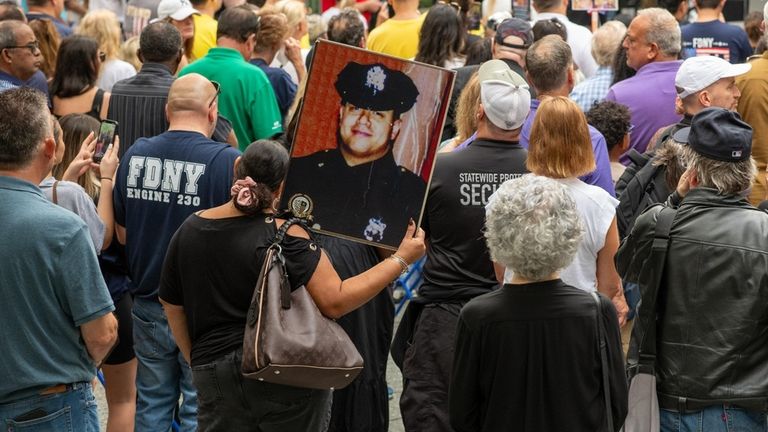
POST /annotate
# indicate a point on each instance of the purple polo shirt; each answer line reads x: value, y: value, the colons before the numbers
x: 601, y: 176
x: 650, y: 96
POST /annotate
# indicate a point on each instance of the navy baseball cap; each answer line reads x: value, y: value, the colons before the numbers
x: 718, y: 134
x: 514, y: 27
x: 376, y: 87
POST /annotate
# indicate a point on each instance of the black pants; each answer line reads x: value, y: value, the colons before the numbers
x: 226, y: 401
x: 427, y: 369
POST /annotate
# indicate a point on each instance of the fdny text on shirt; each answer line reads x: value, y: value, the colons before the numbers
x: 476, y: 188
x: 162, y: 177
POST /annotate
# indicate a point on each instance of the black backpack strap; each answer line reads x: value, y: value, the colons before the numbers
x: 602, y: 347
x: 656, y: 263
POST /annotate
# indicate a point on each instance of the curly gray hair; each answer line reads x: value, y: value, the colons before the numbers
x: 532, y: 226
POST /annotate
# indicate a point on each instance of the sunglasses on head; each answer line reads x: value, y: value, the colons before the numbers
x: 216, y: 86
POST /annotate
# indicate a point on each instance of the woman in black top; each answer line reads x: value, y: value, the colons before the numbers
x: 73, y: 88
x: 208, y: 278
x: 526, y: 356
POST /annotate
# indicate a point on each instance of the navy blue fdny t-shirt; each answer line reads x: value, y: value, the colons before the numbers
x: 160, y: 182
x: 726, y: 41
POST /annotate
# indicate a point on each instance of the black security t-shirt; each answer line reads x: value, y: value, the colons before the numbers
x: 458, y: 265
x: 211, y: 269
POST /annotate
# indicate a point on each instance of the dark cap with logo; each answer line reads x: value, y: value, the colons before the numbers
x: 376, y: 87
x: 718, y: 134
x: 514, y: 27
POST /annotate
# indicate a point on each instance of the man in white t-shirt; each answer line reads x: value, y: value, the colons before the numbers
x: 579, y: 37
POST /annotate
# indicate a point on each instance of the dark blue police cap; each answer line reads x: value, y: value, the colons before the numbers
x: 718, y: 134
x: 376, y: 87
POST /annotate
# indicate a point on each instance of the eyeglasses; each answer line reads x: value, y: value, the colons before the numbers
x: 33, y: 46
x: 454, y: 5
x: 217, y: 86
x: 102, y: 57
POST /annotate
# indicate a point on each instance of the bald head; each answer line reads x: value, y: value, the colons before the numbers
x: 191, y: 93
x: 191, y: 104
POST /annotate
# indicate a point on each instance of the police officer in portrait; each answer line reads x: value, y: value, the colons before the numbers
x: 358, y: 189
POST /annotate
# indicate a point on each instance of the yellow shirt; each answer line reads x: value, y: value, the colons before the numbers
x: 399, y: 38
x: 205, y: 35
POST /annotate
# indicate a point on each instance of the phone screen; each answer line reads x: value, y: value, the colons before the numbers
x: 104, y: 139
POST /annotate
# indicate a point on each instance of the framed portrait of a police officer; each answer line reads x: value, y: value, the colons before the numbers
x: 364, y: 147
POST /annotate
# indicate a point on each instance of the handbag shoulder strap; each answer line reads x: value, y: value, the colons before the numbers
x: 602, y: 347
x: 54, y: 194
x: 647, y: 346
x: 285, y: 286
x: 280, y: 235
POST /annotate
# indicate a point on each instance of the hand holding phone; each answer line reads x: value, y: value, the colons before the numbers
x: 104, y: 139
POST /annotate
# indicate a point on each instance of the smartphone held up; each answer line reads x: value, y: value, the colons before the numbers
x: 105, y: 138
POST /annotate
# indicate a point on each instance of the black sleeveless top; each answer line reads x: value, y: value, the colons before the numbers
x: 95, y: 112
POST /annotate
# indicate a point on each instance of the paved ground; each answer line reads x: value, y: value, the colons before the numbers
x: 393, y: 376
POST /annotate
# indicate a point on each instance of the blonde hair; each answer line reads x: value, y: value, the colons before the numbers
x: 128, y: 52
x: 295, y: 11
x: 466, y: 109
x: 273, y: 29
x: 103, y: 26
x: 560, y: 145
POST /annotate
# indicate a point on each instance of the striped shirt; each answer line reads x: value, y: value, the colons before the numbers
x: 138, y: 106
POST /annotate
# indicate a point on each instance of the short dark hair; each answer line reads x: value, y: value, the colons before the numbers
x: 547, y: 62
x: 75, y: 66
x: 479, y: 52
x: 10, y: 11
x: 707, y: 4
x: 237, y: 23
x: 346, y: 28
x: 19, y: 140
x: 542, y: 5
x: 160, y: 42
x: 548, y: 27
x: 670, y: 5
x: 611, y: 119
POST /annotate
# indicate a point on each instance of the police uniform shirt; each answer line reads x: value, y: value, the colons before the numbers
x: 372, y: 201
x: 458, y: 265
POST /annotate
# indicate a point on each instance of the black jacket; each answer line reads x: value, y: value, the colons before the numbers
x: 712, y: 329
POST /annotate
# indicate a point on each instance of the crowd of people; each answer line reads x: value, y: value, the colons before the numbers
x: 569, y: 160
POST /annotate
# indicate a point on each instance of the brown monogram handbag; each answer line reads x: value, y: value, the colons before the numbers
x: 287, y: 340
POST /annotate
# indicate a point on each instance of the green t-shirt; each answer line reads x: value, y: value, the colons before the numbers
x: 247, y: 99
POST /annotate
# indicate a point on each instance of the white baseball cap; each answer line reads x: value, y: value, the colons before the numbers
x: 504, y: 94
x: 698, y: 73
x: 177, y: 10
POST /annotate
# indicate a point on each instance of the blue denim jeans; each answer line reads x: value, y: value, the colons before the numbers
x: 230, y: 402
x: 719, y: 418
x: 70, y: 411
x: 162, y: 375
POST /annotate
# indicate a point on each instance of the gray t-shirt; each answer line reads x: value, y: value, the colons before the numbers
x: 73, y: 197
